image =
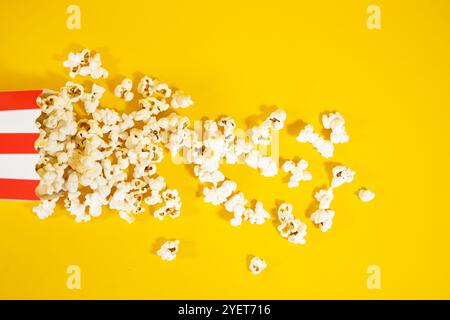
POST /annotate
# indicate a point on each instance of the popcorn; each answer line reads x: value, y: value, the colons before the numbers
x: 335, y: 122
x: 169, y: 250
x: 276, y: 119
x: 268, y: 166
x: 205, y: 176
x: 218, y: 195
x: 236, y: 204
x: 123, y: 90
x: 261, y: 135
x: 180, y: 100
x: 257, y: 265
x: 324, y: 147
x: 92, y: 100
x: 105, y: 158
x: 324, y: 218
x: 126, y: 216
x: 85, y: 63
x: 290, y: 228
x: 258, y: 215
x: 45, y: 208
x: 341, y: 175
x: 298, y: 172
x: 324, y: 197
x: 366, y: 195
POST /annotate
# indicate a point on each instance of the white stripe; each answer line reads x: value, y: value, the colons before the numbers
x: 19, y: 121
x: 18, y: 166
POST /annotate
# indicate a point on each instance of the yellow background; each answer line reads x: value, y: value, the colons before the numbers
x: 234, y: 58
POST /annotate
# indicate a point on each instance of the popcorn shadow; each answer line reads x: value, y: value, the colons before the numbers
x: 274, y: 213
x: 248, y: 259
x: 156, y: 245
x: 257, y: 119
x: 294, y: 128
x: 286, y: 176
x: 224, y: 214
x: 29, y: 81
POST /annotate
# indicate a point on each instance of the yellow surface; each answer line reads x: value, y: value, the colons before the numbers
x: 234, y: 57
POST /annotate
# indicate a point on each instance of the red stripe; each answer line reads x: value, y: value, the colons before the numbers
x: 18, y: 100
x: 14, y: 189
x: 18, y: 142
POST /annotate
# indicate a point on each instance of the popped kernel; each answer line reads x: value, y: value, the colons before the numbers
x: 257, y: 265
x: 169, y: 250
x: 123, y: 90
x: 366, y: 195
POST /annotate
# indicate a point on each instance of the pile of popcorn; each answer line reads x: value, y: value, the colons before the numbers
x: 101, y: 157
x: 104, y: 158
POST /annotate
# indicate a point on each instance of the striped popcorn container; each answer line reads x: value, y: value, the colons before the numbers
x: 18, y: 133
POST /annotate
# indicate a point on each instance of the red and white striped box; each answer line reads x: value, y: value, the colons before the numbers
x: 18, y: 133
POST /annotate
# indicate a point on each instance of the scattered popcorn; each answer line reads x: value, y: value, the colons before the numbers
x: 290, y: 228
x: 168, y: 250
x: 335, y: 122
x: 324, y: 218
x: 85, y: 63
x: 298, y: 172
x: 123, y: 90
x: 366, y: 195
x: 341, y: 175
x: 257, y: 265
x: 107, y: 158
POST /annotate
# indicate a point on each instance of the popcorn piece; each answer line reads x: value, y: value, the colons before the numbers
x: 298, y: 172
x: 45, y: 208
x: 268, y: 166
x: 123, y: 90
x: 218, y: 195
x: 366, y: 195
x: 324, y: 147
x: 127, y: 217
x: 257, y: 265
x: 206, y: 176
x: 276, y: 119
x: 236, y: 205
x: 335, y: 122
x: 324, y: 218
x: 180, y: 100
x: 85, y: 63
x: 258, y: 215
x: 341, y: 175
x: 92, y: 100
x: 168, y: 250
x: 324, y: 197
x: 292, y: 229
